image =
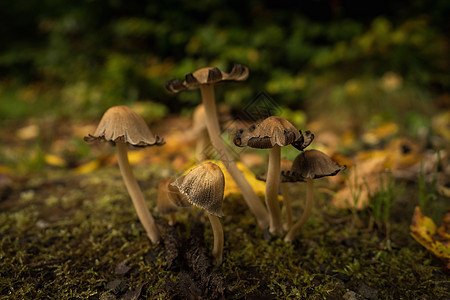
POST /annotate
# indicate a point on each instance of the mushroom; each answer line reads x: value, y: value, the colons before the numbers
x: 204, y: 186
x: 170, y: 200
x: 205, y: 79
x: 309, y: 165
x: 272, y: 133
x: 121, y: 126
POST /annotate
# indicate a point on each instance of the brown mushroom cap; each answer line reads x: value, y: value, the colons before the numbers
x: 270, y: 132
x: 308, y: 137
x: 314, y: 164
x: 204, y: 186
x: 122, y: 124
x: 170, y: 198
x: 207, y: 76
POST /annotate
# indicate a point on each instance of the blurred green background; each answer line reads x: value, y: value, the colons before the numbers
x: 74, y: 59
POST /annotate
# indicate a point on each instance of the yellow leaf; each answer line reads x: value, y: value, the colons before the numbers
x: 54, y: 160
x: 135, y: 157
x: 424, y: 231
x: 87, y: 167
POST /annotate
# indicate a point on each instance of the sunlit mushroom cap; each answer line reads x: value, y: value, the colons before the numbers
x: 270, y: 132
x: 207, y: 76
x: 314, y: 164
x: 170, y: 198
x: 204, y: 186
x: 122, y: 124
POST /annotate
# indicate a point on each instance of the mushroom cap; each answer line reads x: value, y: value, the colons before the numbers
x: 314, y: 164
x: 122, y: 124
x: 308, y: 137
x: 270, y: 132
x: 204, y: 186
x: 170, y: 198
x: 207, y: 76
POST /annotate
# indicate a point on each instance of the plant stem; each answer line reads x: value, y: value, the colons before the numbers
x: 287, y: 206
x: 306, y: 213
x: 136, y: 194
x: 272, y: 184
x: 212, y: 124
x: 218, y: 239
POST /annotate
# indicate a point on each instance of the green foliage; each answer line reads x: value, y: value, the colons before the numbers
x: 110, y: 52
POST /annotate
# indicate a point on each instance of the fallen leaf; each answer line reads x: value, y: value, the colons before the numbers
x: 436, y: 240
x: 88, y: 167
x: 54, y: 160
x: 28, y: 132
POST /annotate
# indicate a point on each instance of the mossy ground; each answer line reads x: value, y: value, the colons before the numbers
x: 66, y: 236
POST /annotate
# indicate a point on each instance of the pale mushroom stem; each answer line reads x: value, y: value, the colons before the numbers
x: 287, y: 206
x: 172, y: 219
x: 212, y: 124
x: 272, y: 184
x: 218, y: 239
x: 202, y: 143
x: 306, y: 213
x: 136, y: 194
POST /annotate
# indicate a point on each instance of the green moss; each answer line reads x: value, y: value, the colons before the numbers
x: 63, y: 235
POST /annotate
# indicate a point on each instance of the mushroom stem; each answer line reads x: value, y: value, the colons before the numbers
x: 136, y: 194
x: 218, y: 239
x: 272, y: 184
x: 172, y: 219
x: 212, y: 124
x: 201, y: 146
x: 306, y: 213
x: 287, y: 206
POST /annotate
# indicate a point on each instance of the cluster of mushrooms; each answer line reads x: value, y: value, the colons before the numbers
x: 203, y: 186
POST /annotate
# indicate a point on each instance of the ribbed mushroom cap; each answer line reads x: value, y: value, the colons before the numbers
x: 122, y: 124
x: 270, y: 132
x: 204, y: 186
x: 207, y: 76
x: 170, y: 198
x: 314, y: 164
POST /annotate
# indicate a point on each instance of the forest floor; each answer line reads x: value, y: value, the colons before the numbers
x: 68, y: 230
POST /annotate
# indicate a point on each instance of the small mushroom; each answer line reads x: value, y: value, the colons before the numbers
x: 272, y: 133
x: 170, y: 200
x: 309, y: 165
x: 204, y: 186
x: 205, y: 79
x: 121, y: 126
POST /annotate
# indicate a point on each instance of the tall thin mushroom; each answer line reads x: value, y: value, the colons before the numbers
x: 205, y: 79
x: 204, y: 186
x: 272, y: 133
x: 310, y: 165
x: 121, y: 126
